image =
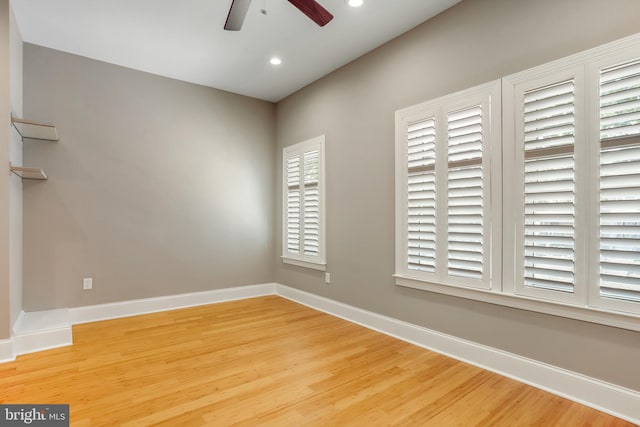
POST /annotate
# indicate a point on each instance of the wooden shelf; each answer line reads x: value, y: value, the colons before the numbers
x: 28, y: 173
x: 35, y: 130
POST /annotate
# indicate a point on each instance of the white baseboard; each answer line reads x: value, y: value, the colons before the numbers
x: 44, y: 330
x: 41, y: 330
x: 43, y: 340
x: 94, y: 313
x: 612, y: 399
x: 6, y: 351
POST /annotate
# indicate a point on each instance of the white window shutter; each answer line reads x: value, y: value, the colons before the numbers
x: 465, y: 196
x: 619, y: 102
x: 549, y: 187
x: 293, y: 228
x: 545, y: 142
x: 421, y: 188
x: 311, y: 210
x: 303, y: 219
x: 444, y: 189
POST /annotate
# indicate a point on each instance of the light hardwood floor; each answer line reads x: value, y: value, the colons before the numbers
x: 269, y: 361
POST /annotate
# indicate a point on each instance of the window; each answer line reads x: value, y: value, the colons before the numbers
x: 303, y: 204
x: 448, y: 153
x: 566, y: 240
x: 544, y: 130
x: 615, y: 256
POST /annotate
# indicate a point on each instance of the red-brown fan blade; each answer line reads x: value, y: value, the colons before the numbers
x: 314, y: 11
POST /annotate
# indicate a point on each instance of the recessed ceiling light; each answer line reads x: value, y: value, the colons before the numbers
x: 355, y: 3
x: 275, y: 61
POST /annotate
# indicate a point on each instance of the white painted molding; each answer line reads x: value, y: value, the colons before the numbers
x: 612, y: 399
x: 41, y: 330
x: 94, y: 313
x: 321, y: 266
x: 6, y: 351
x: 42, y: 340
x: 45, y: 330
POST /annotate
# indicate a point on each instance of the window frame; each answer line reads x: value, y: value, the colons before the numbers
x: 315, y: 262
x: 588, y: 305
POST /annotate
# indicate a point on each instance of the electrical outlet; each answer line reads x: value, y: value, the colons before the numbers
x: 327, y: 278
x: 87, y: 283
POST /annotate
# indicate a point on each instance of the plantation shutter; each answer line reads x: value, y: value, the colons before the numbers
x: 421, y: 176
x: 311, y: 210
x: 620, y: 181
x: 303, y: 219
x: 293, y: 204
x: 465, y: 224
x: 549, y: 187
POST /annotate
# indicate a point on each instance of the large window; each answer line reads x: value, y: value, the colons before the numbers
x: 303, y: 241
x: 564, y: 238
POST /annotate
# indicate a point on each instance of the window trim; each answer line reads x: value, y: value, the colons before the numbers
x: 590, y: 314
x: 301, y: 260
x: 503, y: 293
x: 320, y: 266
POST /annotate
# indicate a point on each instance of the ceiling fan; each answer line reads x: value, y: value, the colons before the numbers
x: 311, y: 8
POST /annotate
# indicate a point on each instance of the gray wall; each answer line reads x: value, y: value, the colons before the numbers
x: 156, y: 186
x: 5, y: 180
x: 472, y: 43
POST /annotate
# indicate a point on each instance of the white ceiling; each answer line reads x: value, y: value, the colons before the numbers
x: 185, y: 40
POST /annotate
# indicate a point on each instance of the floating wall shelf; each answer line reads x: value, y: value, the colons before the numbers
x: 32, y: 130
x: 35, y: 130
x: 28, y: 173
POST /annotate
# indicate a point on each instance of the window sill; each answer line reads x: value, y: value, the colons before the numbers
x: 588, y: 314
x: 320, y: 266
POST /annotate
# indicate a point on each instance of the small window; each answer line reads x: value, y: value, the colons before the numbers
x: 303, y: 240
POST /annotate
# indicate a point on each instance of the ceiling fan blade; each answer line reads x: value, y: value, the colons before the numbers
x: 237, y: 12
x: 314, y: 11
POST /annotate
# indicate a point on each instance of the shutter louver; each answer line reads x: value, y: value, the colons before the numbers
x: 421, y: 139
x: 465, y: 193
x: 620, y: 182
x: 549, y: 187
x: 293, y: 204
x: 311, y: 203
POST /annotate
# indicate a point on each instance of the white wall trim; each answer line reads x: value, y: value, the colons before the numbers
x: 585, y: 313
x: 321, y: 266
x: 45, y: 330
x: 612, y: 399
x: 41, y: 330
x: 6, y: 351
x: 94, y: 313
x: 42, y: 340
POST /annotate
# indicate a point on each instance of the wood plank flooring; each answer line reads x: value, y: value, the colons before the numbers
x: 269, y: 361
